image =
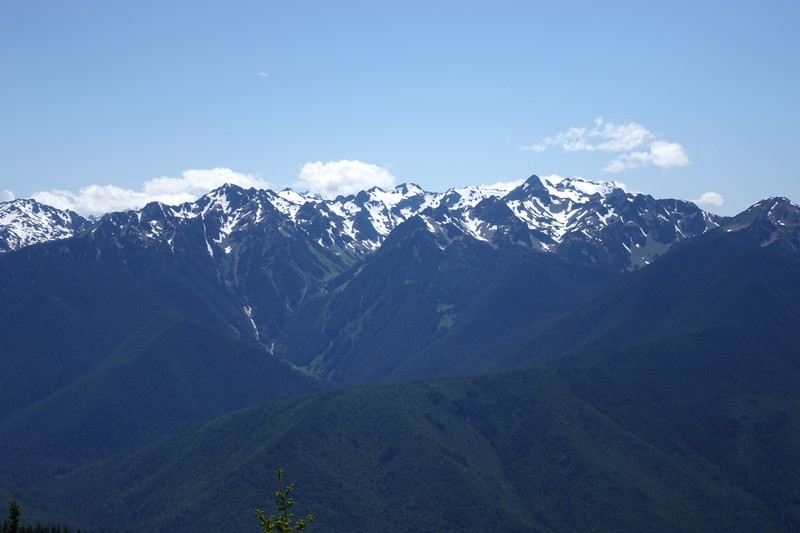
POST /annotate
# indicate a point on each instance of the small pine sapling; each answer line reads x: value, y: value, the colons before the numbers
x: 282, y: 523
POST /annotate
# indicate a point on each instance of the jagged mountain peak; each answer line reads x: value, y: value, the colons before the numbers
x: 461, y: 198
x: 24, y: 222
x: 776, y: 210
x: 388, y: 197
x: 556, y: 190
x: 777, y: 207
x: 771, y: 222
x: 568, y: 187
x: 409, y: 188
x: 533, y: 187
x: 595, y: 221
x: 227, y: 198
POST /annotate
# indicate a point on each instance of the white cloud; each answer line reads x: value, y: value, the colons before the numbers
x: 194, y: 183
x: 6, y: 195
x: 661, y: 154
x: 603, y: 137
x: 101, y: 199
x: 503, y: 185
x: 668, y: 155
x: 536, y: 148
x: 263, y: 74
x: 93, y: 199
x: 342, y: 177
x: 636, y: 145
x: 710, y: 198
x: 626, y: 161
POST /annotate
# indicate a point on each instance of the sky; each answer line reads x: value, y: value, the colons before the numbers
x: 107, y: 105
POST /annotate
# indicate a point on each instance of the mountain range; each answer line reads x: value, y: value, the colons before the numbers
x: 560, y: 355
x: 564, y: 216
x: 274, y: 251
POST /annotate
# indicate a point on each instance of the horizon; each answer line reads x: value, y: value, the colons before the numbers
x: 89, y: 210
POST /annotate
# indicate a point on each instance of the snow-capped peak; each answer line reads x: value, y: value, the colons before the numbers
x: 547, y: 213
x: 460, y: 198
x: 24, y: 222
x: 579, y: 189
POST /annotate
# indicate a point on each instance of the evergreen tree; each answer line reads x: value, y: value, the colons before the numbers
x: 282, y: 523
x: 13, y: 517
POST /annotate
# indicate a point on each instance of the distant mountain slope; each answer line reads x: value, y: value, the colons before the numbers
x: 753, y: 255
x: 106, y: 345
x: 270, y: 262
x: 711, y: 358
x: 64, y: 306
x: 264, y: 264
x: 695, y: 409
x: 172, y: 373
x: 418, y: 309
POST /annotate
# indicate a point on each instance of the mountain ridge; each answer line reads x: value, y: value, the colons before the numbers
x: 569, y: 215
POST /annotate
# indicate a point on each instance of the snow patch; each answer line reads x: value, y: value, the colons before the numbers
x: 249, y: 312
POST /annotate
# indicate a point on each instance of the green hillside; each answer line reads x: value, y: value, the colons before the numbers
x: 517, y: 451
x: 666, y: 402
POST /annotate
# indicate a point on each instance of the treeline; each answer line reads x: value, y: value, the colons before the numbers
x: 39, y: 528
x: 13, y: 524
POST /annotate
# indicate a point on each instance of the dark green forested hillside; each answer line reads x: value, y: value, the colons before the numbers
x: 104, y: 349
x: 522, y: 450
x: 668, y: 401
x: 178, y: 373
x: 692, y: 430
x: 64, y: 306
x: 414, y: 310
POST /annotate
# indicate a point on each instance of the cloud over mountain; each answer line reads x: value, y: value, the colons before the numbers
x: 325, y: 179
x: 636, y: 145
x: 709, y: 198
x: 342, y: 177
x: 100, y: 199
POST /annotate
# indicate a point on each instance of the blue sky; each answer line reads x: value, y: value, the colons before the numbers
x: 106, y: 104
